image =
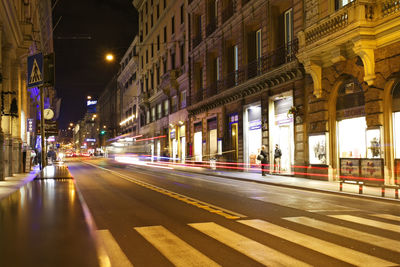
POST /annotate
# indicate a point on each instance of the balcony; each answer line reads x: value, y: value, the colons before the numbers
x: 196, y: 40
x: 212, y: 89
x: 210, y: 28
x: 168, y: 81
x: 276, y: 58
x: 227, y: 13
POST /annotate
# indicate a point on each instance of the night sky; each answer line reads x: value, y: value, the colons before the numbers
x: 87, y: 30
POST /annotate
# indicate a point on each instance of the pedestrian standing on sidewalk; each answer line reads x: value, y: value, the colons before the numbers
x: 277, y: 158
x: 264, y: 160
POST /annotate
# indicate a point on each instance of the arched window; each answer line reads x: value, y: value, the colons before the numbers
x: 396, y: 119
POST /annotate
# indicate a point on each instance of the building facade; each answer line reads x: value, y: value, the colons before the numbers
x: 163, y: 76
x: 245, y: 81
x: 25, y: 29
x: 128, y: 82
x: 350, y: 52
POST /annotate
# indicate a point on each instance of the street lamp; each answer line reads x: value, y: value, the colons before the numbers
x: 109, y: 57
x: 89, y: 97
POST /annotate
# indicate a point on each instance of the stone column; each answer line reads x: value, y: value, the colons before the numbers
x: 1, y: 130
x: 15, y: 122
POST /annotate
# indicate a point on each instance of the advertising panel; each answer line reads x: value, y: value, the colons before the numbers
x: 372, y: 170
x: 349, y: 168
x: 317, y: 149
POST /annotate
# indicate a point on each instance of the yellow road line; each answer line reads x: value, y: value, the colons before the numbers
x: 188, y: 200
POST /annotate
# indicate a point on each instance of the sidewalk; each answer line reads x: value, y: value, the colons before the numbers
x: 12, y: 184
x: 296, y: 183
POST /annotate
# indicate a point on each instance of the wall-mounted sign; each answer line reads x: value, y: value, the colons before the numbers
x: 90, y: 139
x: 172, y: 134
x: 31, y: 125
x: 91, y: 102
x: 372, y: 170
x: 349, y: 168
x: 254, y: 125
x: 91, y: 106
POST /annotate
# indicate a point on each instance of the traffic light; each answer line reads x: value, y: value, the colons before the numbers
x: 102, y: 132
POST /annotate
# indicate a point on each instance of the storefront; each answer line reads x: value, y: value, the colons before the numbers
x: 182, y: 137
x: 252, y: 133
x: 198, y: 142
x: 234, y: 134
x: 281, y: 130
x: 212, y: 137
x: 396, y: 131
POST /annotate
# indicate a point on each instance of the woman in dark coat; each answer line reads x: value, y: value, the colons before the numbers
x: 264, y: 161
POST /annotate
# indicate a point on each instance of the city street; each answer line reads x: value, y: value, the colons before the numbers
x: 163, y: 217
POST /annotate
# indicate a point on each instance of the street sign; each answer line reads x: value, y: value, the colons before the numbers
x: 31, y: 126
x: 35, y: 70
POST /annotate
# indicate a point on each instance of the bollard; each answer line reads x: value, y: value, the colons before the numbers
x: 383, y: 191
x: 341, y: 186
x: 396, y: 193
x: 360, y: 188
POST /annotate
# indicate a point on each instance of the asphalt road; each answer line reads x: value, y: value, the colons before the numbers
x: 159, y: 217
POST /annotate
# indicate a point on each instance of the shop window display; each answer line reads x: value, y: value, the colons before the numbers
x: 352, y: 138
x: 318, y: 149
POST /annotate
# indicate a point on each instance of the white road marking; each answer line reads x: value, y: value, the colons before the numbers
x: 173, y: 248
x: 248, y: 247
x: 369, y: 222
x: 115, y: 253
x: 374, y: 240
x: 321, y: 246
x: 387, y: 216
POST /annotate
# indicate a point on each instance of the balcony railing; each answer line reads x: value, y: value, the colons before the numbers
x: 210, y: 28
x: 228, y: 11
x: 196, y: 40
x: 348, y: 16
x: 212, y: 89
x: 280, y: 56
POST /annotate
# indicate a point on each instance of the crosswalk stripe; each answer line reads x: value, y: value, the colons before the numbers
x: 173, y: 248
x: 321, y: 246
x: 375, y: 240
x: 369, y: 222
x: 248, y: 247
x: 388, y: 216
x: 115, y: 253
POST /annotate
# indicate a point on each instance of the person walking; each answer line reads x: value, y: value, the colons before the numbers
x: 264, y: 160
x: 277, y: 158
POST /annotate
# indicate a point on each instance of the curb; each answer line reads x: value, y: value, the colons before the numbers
x: 346, y: 194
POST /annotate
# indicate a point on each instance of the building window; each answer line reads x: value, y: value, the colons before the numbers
x: 182, y: 54
x: 145, y: 8
x: 172, y: 25
x: 141, y: 15
x: 165, y: 65
x: 147, y: 84
x: 145, y: 33
x: 158, y: 11
x: 151, y: 21
x: 158, y: 75
x: 153, y: 113
x: 183, y: 99
x: 152, y: 80
x: 182, y: 14
x: 288, y: 26
x: 158, y: 42
x: 159, y: 111
x: 166, y: 107
x: 165, y: 34
x: 141, y: 61
x: 174, y: 104
x: 341, y: 3
x: 147, y: 56
x: 218, y: 68
x: 165, y: 3
x: 236, y: 62
x: 173, y: 60
x: 151, y: 49
x: 147, y: 116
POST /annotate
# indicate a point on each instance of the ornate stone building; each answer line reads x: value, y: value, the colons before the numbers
x: 128, y: 82
x: 25, y: 29
x: 163, y: 76
x: 246, y: 81
x: 350, y: 49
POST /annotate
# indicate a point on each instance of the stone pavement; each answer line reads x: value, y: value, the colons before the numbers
x: 12, y: 184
